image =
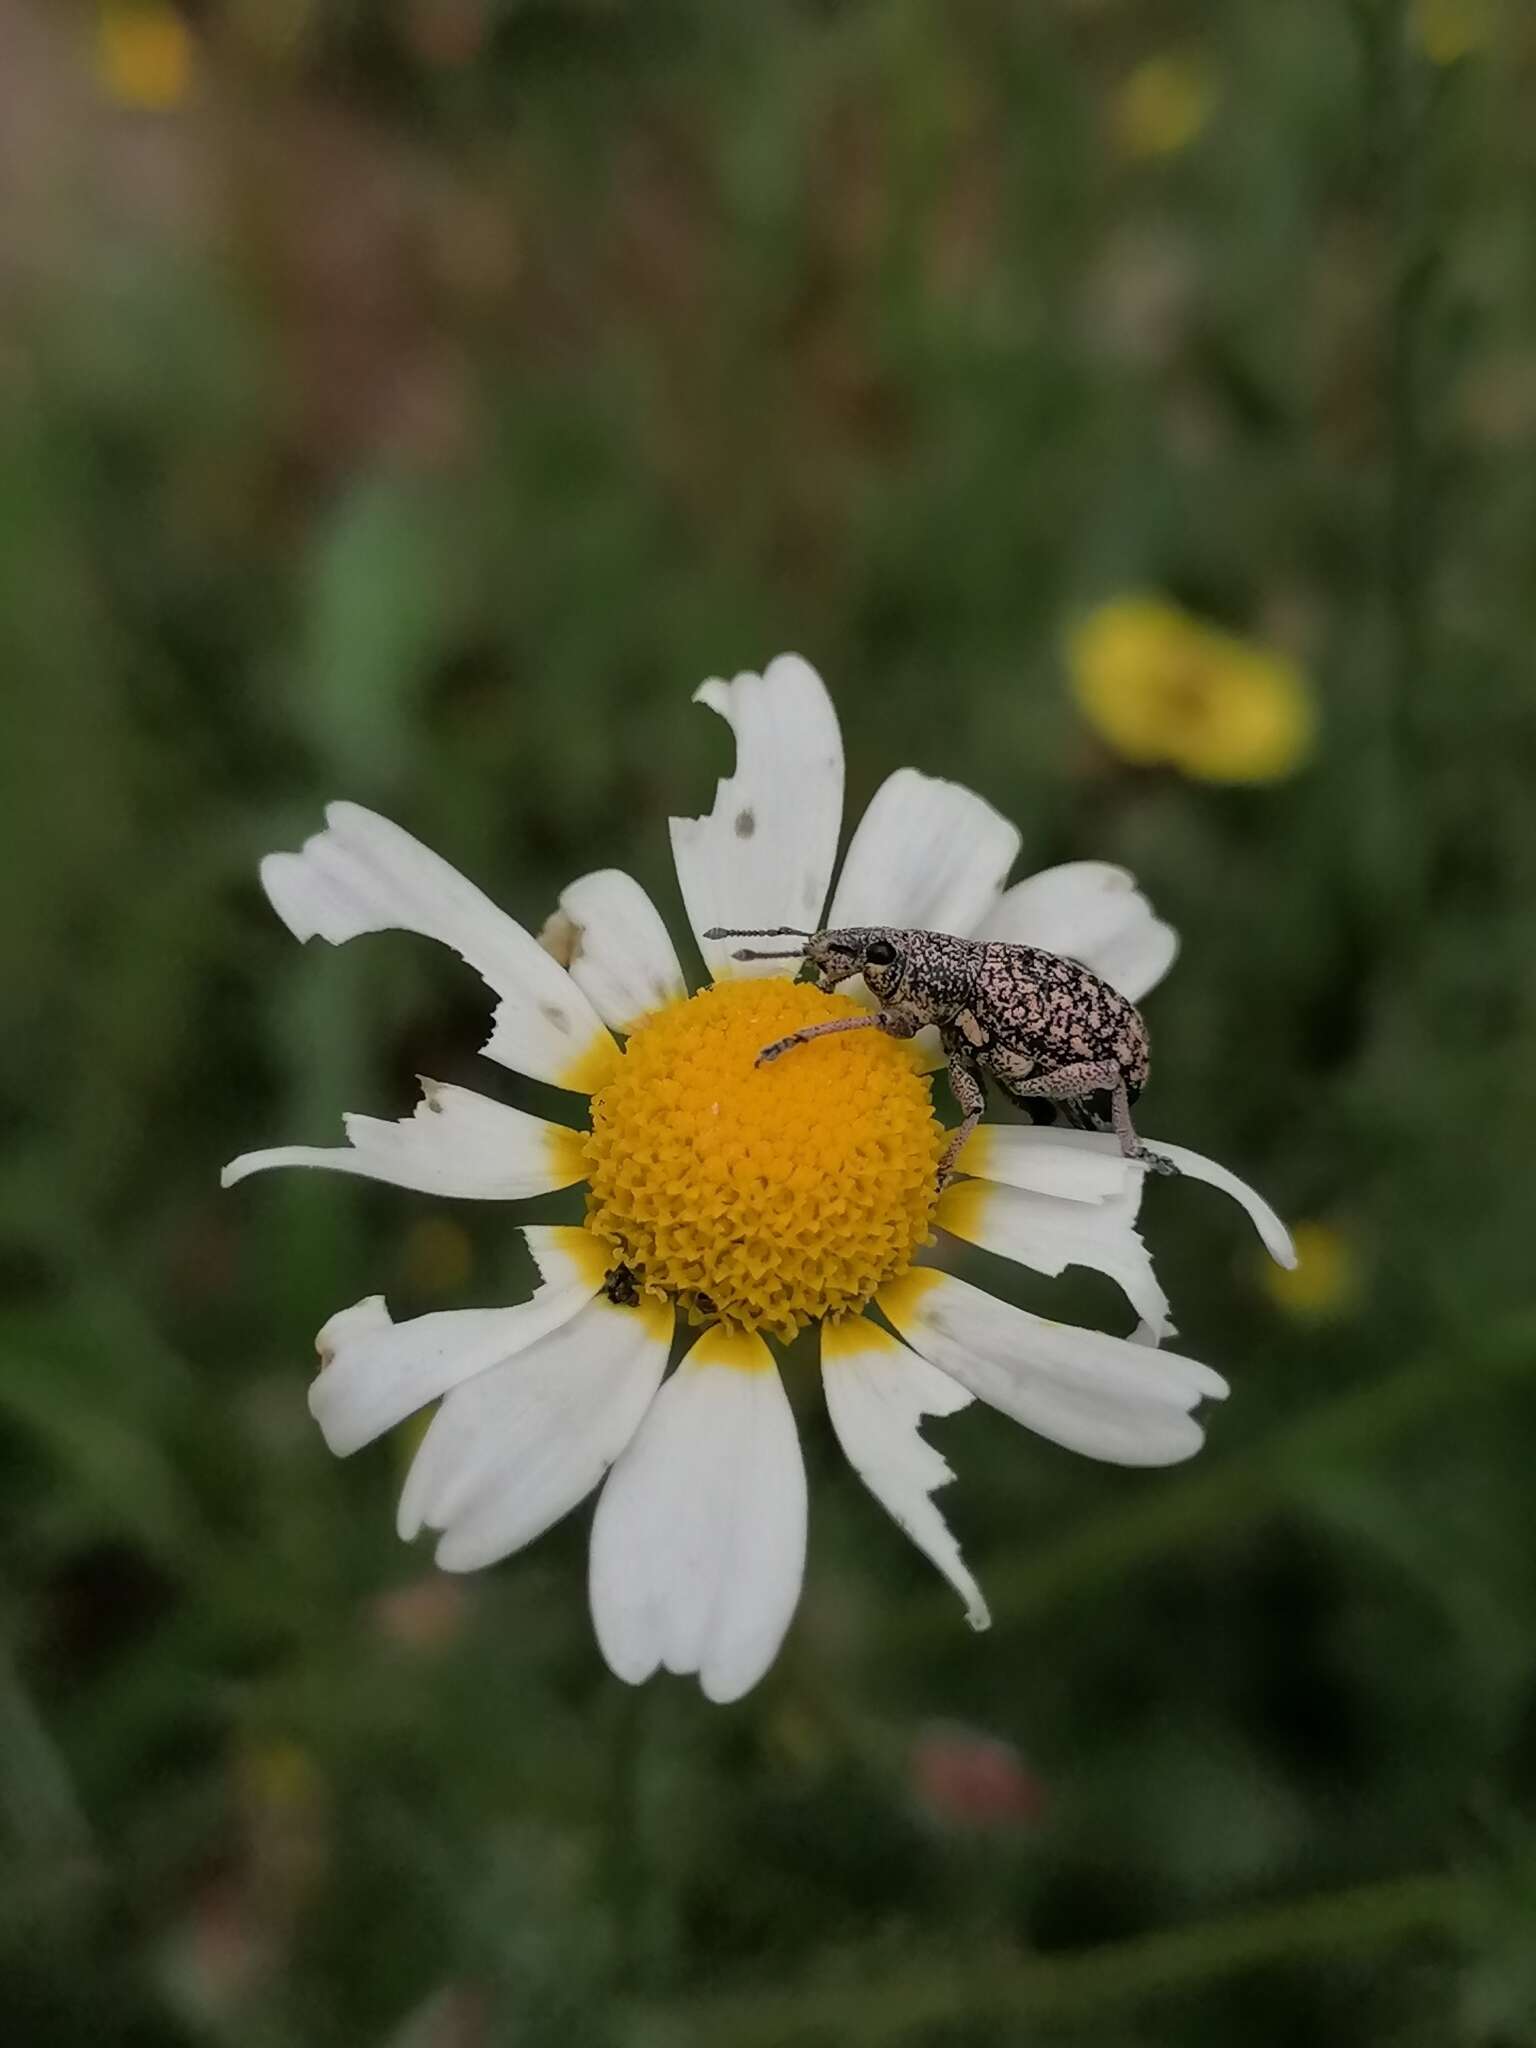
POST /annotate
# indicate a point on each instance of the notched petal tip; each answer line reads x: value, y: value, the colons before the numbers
x: 764, y: 853
x: 725, y: 1692
x: 362, y: 1319
x: 365, y: 874
x: 283, y: 883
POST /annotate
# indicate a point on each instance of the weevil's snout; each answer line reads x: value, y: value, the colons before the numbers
x: 833, y: 957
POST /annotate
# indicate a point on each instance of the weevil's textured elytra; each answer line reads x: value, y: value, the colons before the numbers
x: 1049, y: 1032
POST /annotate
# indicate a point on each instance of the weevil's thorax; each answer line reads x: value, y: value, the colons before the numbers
x: 939, y: 975
x: 934, y: 976
x: 927, y: 975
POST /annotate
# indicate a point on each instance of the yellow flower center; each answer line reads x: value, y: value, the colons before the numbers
x: 764, y: 1196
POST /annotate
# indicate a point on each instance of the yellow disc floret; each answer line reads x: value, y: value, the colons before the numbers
x: 764, y: 1196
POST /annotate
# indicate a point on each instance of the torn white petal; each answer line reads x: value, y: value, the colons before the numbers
x: 1075, y: 1166
x: 1102, y: 1396
x: 877, y: 1395
x: 1049, y: 1235
x: 455, y: 1143
x: 1194, y: 1166
x: 764, y: 854
x: 374, y: 1372
x: 364, y: 874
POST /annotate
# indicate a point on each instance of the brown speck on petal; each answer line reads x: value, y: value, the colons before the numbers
x: 561, y: 937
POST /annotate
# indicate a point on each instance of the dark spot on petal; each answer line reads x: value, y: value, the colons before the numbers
x: 746, y: 823
x: 555, y: 1015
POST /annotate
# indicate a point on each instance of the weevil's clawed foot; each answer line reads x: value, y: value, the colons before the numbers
x: 1155, y: 1162
x: 770, y: 1053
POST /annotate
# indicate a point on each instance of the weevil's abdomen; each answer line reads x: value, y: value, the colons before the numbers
x: 1060, y: 1012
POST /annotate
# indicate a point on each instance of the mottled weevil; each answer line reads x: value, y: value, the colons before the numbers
x: 1045, y: 1029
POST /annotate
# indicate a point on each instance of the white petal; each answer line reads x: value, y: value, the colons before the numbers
x: 1049, y: 1235
x: 877, y: 1395
x: 1049, y: 1160
x: 1136, y: 959
x: 511, y: 1451
x: 1277, y: 1239
x: 764, y: 854
x: 928, y: 854
x: 455, y: 1143
x: 698, y: 1545
x: 622, y: 956
x: 1091, y: 912
x: 374, y: 1371
x: 363, y: 874
x: 1194, y: 1166
x: 1103, y: 1396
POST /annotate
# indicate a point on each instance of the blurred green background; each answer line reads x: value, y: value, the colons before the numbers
x: 414, y: 401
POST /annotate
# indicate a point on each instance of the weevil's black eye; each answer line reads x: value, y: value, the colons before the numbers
x: 880, y: 953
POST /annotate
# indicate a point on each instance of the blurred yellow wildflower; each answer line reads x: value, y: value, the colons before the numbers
x: 1448, y: 30
x: 144, y: 54
x: 1164, y: 104
x: 1325, y: 1281
x: 1161, y: 686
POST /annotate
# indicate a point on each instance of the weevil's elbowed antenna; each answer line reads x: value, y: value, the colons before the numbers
x: 771, y: 931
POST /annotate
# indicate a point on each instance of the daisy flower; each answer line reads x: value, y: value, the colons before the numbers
x: 747, y: 1202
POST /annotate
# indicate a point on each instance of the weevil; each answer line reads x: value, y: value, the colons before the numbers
x: 1045, y: 1030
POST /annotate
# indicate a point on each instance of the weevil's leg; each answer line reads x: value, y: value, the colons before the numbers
x: 871, y: 1020
x: 1130, y: 1144
x: 970, y: 1092
x: 1066, y: 1084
